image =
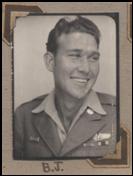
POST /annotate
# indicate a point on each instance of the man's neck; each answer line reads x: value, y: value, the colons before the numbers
x: 67, y: 107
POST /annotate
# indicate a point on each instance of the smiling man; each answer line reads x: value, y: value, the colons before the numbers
x: 73, y: 120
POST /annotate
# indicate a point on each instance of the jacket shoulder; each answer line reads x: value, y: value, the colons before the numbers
x: 107, y: 99
x: 29, y: 105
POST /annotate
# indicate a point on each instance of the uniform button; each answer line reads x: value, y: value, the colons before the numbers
x: 99, y: 143
x: 107, y: 142
x: 84, y: 144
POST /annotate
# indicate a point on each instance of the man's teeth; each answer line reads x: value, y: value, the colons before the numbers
x: 80, y: 80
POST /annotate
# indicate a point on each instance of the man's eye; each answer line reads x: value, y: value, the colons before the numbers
x: 94, y: 58
x: 74, y: 55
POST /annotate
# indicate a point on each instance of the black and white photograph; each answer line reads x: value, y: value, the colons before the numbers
x: 65, y: 88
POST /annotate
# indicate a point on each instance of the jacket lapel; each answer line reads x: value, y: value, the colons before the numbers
x: 84, y: 129
x: 48, y: 132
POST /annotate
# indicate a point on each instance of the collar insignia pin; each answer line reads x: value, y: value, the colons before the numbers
x: 89, y: 111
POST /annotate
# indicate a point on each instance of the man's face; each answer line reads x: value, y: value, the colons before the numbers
x: 76, y: 64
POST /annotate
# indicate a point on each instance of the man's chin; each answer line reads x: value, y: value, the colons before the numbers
x: 80, y: 95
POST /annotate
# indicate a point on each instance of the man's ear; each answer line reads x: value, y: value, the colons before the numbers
x: 49, y: 61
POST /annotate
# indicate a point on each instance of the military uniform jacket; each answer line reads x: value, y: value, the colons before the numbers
x: 36, y: 135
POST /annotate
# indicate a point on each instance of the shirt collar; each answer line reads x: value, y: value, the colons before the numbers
x: 48, y: 106
x: 92, y: 101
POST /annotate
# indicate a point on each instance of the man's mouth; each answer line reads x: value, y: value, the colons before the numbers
x: 81, y: 80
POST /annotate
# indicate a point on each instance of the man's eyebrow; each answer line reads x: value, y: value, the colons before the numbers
x: 74, y: 50
x: 81, y: 51
x: 95, y: 52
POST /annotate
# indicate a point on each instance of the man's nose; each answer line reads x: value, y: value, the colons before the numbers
x: 84, y: 65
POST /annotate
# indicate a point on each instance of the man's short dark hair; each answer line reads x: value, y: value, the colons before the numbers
x: 66, y: 25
